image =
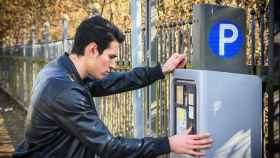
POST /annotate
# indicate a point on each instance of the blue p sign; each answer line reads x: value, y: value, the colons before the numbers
x: 225, y: 39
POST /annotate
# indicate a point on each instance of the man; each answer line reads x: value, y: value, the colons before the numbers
x: 62, y: 121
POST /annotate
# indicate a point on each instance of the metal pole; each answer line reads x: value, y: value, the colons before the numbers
x: 253, y: 42
x: 147, y: 49
x: 136, y: 62
x: 270, y: 71
x: 151, y: 51
x: 271, y: 36
x: 262, y: 12
x: 65, y: 35
x: 33, y: 39
x: 46, y: 40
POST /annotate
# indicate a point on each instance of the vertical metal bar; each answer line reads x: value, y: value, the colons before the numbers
x: 165, y: 56
x: 1, y: 66
x: 156, y: 90
x: 263, y: 119
x: 147, y: 49
x: 270, y: 71
x: 190, y: 43
x: 21, y: 76
x: 181, y: 44
x: 12, y: 82
x: 6, y: 70
x: 15, y: 90
x: 150, y: 20
x: 270, y: 120
x: 170, y: 41
x: 46, y: 41
x: 253, y: 41
x: 121, y: 54
x: 271, y: 36
x: 165, y: 49
x: 28, y: 75
x: 9, y: 74
x: 262, y: 36
x: 33, y: 55
x: 136, y: 37
x: 25, y: 71
x: 147, y: 29
x: 125, y: 50
x: 65, y: 35
x: 128, y: 55
x: 174, y: 37
x: 160, y: 82
x: 161, y: 52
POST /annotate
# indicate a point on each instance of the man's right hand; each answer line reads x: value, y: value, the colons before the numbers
x: 186, y: 143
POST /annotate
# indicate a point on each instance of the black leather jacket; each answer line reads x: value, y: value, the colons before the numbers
x: 62, y: 121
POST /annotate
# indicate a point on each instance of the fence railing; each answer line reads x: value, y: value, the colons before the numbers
x: 20, y: 65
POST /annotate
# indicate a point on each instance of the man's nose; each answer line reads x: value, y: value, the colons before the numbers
x: 113, y: 65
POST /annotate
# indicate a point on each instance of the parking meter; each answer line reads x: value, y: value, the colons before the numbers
x: 226, y: 105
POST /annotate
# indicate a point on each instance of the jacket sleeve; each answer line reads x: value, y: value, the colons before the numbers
x: 117, y: 82
x: 74, y: 113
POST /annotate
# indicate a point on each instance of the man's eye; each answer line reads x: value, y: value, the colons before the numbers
x: 112, y: 57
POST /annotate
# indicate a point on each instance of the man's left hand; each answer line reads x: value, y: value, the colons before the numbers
x: 175, y: 61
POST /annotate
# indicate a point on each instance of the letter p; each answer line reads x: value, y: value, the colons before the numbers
x: 223, y: 40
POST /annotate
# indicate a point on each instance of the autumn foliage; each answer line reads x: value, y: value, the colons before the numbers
x: 18, y: 16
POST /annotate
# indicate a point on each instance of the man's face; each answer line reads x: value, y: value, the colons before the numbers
x: 99, y: 65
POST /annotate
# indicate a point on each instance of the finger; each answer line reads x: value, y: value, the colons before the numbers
x: 175, y: 55
x: 196, y: 153
x: 188, y: 131
x: 203, y: 141
x: 206, y: 146
x: 182, y: 63
x: 201, y: 136
x: 181, y: 57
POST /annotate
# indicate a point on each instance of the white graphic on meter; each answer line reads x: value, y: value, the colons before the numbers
x: 225, y: 40
x: 179, y: 92
x: 181, y: 119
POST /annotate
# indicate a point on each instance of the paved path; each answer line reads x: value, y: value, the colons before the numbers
x: 6, y: 142
x: 11, y: 125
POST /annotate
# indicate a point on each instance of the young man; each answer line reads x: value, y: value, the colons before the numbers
x: 62, y: 121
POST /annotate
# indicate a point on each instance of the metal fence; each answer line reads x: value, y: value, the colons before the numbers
x: 20, y: 65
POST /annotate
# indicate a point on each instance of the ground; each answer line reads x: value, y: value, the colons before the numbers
x: 12, y: 118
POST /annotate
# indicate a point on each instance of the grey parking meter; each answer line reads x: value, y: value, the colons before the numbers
x: 226, y: 105
x: 217, y: 96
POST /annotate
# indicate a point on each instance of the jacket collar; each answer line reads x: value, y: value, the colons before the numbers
x: 70, y: 68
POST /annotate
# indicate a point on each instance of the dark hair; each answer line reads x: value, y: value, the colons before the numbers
x: 96, y: 29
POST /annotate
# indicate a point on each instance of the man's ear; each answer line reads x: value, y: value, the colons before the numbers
x: 91, y: 50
